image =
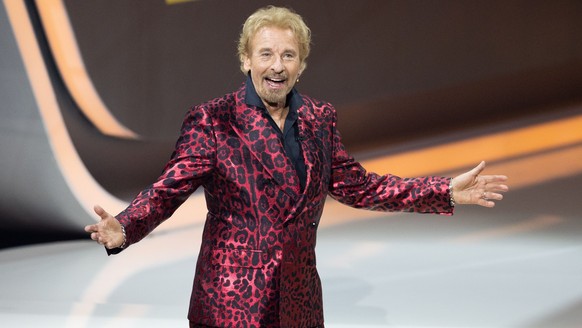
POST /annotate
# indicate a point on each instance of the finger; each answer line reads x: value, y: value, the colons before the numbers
x: 486, y: 203
x: 109, y: 245
x: 487, y: 199
x: 492, y: 196
x: 101, y: 240
x: 494, y: 178
x: 497, y: 187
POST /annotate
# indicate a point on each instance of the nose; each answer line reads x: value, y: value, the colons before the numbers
x: 277, y: 65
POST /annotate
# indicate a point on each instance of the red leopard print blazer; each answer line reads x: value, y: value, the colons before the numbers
x: 256, y: 266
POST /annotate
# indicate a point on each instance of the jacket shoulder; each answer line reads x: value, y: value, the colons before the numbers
x: 213, y: 107
x: 319, y: 108
x: 310, y: 101
x: 218, y: 103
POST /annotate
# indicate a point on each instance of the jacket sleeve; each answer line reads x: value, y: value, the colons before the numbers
x: 352, y: 185
x: 189, y: 167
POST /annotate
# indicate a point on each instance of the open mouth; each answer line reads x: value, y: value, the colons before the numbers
x: 275, y: 82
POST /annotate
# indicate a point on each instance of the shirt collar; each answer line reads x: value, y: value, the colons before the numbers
x: 294, y: 100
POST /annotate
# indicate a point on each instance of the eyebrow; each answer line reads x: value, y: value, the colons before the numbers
x: 271, y: 50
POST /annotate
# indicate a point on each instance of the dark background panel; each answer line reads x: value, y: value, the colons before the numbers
x: 384, y: 64
x: 397, y: 71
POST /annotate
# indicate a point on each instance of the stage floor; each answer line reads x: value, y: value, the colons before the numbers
x: 518, y: 265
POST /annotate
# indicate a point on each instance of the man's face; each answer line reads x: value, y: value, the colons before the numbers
x: 274, y: 63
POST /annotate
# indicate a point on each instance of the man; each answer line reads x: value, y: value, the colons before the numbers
x: 267, y: 158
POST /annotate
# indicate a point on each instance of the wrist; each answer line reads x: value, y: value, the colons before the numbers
x: 124, y: 236
x: 451, y: 194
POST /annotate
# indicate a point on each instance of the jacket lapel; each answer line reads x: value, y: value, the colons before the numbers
x: 265, y: 145
x: 313, y: 162
x: 308, y: 142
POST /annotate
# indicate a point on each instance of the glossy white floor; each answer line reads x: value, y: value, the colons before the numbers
x: 517, y: 265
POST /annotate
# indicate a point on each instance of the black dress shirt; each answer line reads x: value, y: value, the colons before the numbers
x: 290, y: 134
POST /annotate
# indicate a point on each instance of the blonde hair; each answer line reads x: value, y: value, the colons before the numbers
x: 278, y: 17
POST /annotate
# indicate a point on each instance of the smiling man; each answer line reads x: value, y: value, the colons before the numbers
x: 267, y: 158
x: 274, y: 65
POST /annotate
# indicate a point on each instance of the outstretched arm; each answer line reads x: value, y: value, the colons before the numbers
x: 107, y: 232
x: 473, y: 188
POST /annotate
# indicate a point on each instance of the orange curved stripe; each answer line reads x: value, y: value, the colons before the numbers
x: 68, y: 58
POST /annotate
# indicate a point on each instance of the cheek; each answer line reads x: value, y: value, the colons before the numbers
x: 256, y: 75
x: 294, y: 72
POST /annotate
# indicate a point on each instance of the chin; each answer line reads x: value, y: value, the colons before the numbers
x: 272, y: 97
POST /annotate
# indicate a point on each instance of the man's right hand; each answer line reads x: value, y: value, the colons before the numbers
x: 106, y: 232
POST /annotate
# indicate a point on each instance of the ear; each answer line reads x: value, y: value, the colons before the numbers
x: 246, y: 62
x: 302, y: 68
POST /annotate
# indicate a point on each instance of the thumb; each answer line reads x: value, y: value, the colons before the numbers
x: 478, y: 169
x: 101, y: 212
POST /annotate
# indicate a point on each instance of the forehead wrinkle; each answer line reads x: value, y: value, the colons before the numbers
x: 265, y: 36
